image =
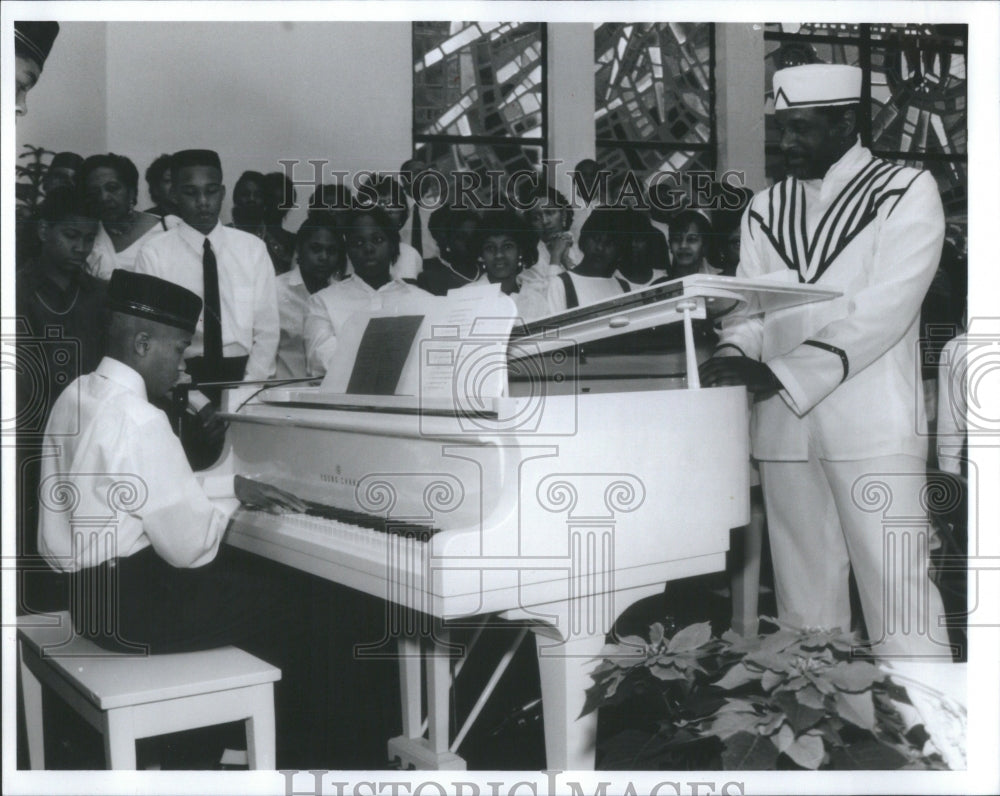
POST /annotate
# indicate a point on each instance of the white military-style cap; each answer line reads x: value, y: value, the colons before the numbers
x: 814, y: 85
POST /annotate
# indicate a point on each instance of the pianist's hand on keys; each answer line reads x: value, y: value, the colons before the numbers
x: 256, y: 495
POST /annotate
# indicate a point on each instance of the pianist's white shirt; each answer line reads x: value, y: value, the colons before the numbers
x: 118, y: 461
x: 330, y: 308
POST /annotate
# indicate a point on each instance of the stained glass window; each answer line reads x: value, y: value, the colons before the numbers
x: 914, y: 87
x: 655, y: 96
x: 479, y: 99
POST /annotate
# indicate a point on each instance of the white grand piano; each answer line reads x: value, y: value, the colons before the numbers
x: 458, y: 468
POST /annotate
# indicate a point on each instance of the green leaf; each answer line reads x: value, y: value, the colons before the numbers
x: 603, y: 667
x: 867, y: 754
x: 799, y: 716
x: 859, y: 709
x: 691, y: 637
x: 853, y: 677
x: 655, y: 634
x: 770, y: 679
x: 736, y: 705
x: 746, y: 751
x: 636, y: 643
x: 611, y: 685
x: 666, y: 672
x: 772, y: 725
x: 595, y: 698
x: 737, y: 676
x: 779, y: 641
x: 740, y: 644
x: 784, y: 738
x: 769, y: 660
x: 807, y: 751
x: 725, y: 725
x: 811, y: 697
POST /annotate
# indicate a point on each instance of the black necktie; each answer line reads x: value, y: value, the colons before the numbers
x: 213, y: 312
x: 416, y: 234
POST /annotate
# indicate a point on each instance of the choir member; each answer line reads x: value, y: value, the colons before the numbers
x: 111, y: 184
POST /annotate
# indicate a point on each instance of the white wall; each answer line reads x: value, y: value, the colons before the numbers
x: 257, y: 92
x: 67, y: 110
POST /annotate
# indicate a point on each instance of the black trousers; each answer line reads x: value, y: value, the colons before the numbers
x: 334, y: 709
x: 142, y: 605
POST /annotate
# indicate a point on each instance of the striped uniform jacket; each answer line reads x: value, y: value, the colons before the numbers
x: 872, y: 230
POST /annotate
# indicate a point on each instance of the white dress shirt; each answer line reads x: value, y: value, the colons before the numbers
x: 544, y: 264
x: 428, y: 246
x: 103, y: 259
x: 589, y: 290
x: 293, y: 306
x: 120, y: 468
x: 330, y: 308
x: 246, y: 289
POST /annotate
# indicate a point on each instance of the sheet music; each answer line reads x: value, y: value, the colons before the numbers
x: 382, y: 354
x: 450, y: 350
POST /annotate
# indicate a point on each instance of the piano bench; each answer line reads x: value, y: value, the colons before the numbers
x: 127, y: 696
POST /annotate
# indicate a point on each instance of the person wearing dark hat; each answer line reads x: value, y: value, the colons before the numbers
x: 237, y: 336
x: 105, y: 431
x: 838, y: 395
x: 32, y: 44
x: 151, y: 576
x: 62, y: 171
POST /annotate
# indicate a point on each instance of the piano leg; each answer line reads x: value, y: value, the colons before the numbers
x: 565, y: 661
x: 564, y: 671
x: 745, y: 581
x: 409, y: 685
x: 411, y: 748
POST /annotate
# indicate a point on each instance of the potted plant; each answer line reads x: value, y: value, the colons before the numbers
x: 792, y: 698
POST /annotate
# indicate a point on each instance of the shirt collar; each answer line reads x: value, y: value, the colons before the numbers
x: 392, y: 284
x: 295, y: 277
x: 120, y: 373
x: 848, y: 165
x: 196, y: 239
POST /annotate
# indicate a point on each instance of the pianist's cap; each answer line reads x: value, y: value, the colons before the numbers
x: 155, y: 299
x: 815, y: 85
x: 188, y: 158
x: 34, y: 40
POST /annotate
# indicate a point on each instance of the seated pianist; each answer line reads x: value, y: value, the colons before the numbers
x: 154, y: 577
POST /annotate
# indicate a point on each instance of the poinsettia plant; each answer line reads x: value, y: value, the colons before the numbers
x: 790, y: 698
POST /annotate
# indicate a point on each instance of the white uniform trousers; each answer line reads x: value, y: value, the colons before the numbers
x: 826, y: 516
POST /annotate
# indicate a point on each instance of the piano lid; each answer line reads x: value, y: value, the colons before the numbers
x: 450, y: 355
x: 706, y: 296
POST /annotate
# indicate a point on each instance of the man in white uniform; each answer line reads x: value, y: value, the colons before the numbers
x: 838, y: 395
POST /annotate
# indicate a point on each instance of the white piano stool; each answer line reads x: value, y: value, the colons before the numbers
x: 126, y: 697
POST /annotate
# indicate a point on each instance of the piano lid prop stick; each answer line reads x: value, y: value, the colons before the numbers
x: 508, y: 656
x: 685, y: 307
